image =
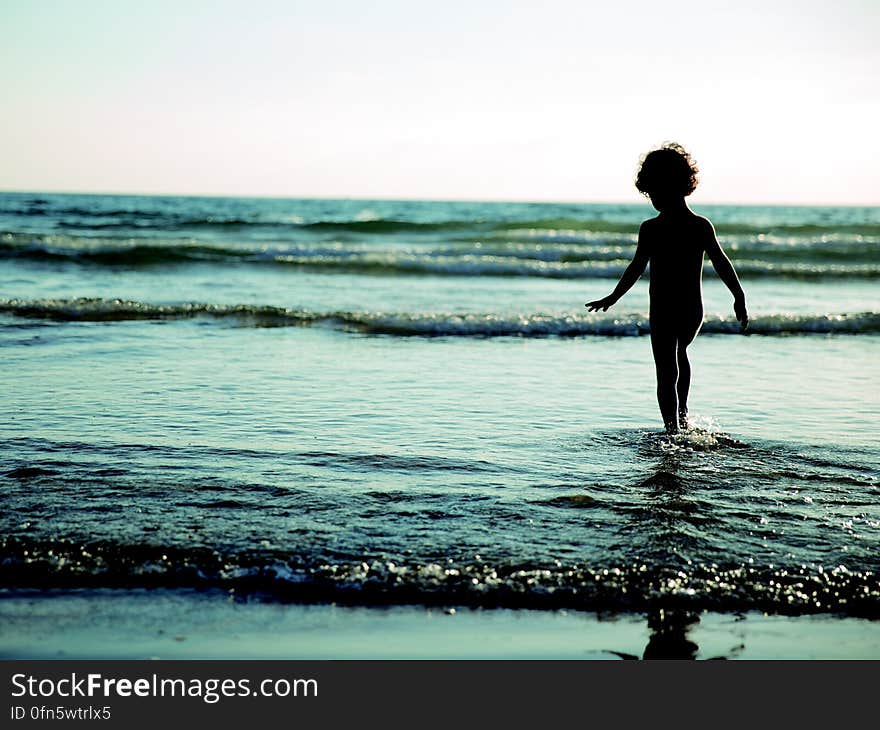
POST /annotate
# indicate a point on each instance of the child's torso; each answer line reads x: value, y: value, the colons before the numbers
x: 676, y: 248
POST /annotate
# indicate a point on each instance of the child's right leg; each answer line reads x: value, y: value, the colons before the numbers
x: 686, y: 335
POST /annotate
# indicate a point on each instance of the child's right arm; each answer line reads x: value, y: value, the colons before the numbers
x: 630, y: 276
x: 727, y: 274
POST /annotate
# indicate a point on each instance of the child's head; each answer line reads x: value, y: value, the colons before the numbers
x: 668, y: 172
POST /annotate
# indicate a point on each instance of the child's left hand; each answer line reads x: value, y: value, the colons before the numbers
x: 602, y: 304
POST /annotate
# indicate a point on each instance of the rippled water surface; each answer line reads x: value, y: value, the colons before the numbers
x: 406, y: 402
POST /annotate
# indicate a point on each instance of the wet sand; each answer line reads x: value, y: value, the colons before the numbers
x: 162, y: 624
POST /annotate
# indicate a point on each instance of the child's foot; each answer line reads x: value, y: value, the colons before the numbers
x: 671, y: 428
x: 683, y: 420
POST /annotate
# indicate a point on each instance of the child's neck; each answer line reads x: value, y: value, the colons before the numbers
x: 676, y: 206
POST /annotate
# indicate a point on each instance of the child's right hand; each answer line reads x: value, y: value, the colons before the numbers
x: 739, y: 309
x: 602, y: 304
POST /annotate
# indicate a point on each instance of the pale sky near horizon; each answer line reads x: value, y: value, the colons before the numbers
x: 779, y: 101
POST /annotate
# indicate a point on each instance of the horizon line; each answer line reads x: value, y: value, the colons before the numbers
x: 395, y: 198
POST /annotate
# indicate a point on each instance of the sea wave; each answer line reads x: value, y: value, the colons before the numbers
x: 159, y: 213
x: 788, y: 230
x: 383, y: 580
x: 429, y: 324
x: 596, y: 259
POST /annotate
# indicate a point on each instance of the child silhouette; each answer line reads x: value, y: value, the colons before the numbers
x: 674, y: 243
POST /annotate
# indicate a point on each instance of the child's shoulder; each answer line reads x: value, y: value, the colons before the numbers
x: 703, y: 223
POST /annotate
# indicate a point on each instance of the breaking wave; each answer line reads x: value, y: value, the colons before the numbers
x: 425, y: 324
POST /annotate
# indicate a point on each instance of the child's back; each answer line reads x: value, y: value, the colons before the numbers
x: 675, y: 244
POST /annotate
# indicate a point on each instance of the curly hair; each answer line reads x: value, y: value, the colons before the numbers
x: 669, y: 169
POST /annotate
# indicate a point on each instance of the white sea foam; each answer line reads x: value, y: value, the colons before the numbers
x: 429, y: 323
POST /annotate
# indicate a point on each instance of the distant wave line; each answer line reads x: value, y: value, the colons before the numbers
x: 77, y: 217
x: 596, y: 260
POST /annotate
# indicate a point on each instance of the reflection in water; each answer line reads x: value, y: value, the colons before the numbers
x: 668, y: 521
x: 669, y: 635
x: 669, y: 626
x: 669, y: 640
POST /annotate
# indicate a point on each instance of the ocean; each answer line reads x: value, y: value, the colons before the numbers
x: 406, y: 402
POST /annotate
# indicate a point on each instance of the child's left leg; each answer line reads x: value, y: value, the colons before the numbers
x: 684, y: 383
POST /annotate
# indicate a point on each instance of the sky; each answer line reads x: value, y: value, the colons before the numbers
x: 777, y: 100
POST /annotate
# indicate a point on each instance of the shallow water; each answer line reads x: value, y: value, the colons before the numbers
x: 436, y: 431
